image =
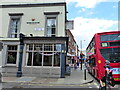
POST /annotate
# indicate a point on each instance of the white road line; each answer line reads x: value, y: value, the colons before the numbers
x: 90, y: 87
x: 97, y: 86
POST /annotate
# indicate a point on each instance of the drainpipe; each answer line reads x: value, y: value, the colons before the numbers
x: 19, y: 72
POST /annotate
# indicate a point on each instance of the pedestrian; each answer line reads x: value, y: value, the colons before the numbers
x: 78, y: 63
x: 107, y: 80
x: 75, y: 66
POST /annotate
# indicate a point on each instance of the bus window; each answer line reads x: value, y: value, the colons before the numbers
x: 92, y: 62
x: 110, y: 37
x: 111, y: 54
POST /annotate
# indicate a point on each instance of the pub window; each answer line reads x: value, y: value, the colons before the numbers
x: 37, y: 58
x: 47, y: 59
x: 57, y: 59
x: 48, y: 47
x: 29, y: 47
x: 51, y: 23
x: 43, y: 54
x: 38, y: 47
x: 14, y: 27
x: 51, y: 26
x: 12, y: 54
x: 57, y: 47
x: 29, y: 57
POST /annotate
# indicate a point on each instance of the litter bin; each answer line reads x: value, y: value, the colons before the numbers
x: 68, y: 70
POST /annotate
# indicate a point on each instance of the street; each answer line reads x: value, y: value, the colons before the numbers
x: 75, y: 80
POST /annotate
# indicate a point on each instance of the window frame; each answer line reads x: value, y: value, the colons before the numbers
x: 16, y: 51
x: 43, y: 51
x: 14, y: 16
x: 56, y: 28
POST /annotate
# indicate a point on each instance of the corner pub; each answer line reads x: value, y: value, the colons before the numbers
x: 34, y: 38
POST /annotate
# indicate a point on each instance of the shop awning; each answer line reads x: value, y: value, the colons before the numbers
x: 70, y: 54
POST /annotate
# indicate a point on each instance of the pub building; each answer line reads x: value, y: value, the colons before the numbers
x: 34, y: 38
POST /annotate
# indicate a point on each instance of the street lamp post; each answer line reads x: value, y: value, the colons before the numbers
x: 19, y: 72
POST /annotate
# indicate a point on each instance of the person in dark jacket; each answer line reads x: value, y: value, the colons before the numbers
x: 107, y: 79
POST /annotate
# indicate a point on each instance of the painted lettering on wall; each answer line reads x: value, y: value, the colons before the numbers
x: 33, y: 22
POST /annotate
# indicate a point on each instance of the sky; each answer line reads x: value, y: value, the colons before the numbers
x: 90, y: 17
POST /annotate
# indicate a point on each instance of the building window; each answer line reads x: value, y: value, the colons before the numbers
x: 51, y: 23
x: 12, y: 54
x: 43, y: 54
x: 51, y: 26
x: 37, y: 47
x: 48, y: 47
x: 14, y: 27
x: 29, y: 57
x: 47, y: 59
x: 37, y: 59
x: 57, y: 59
x: 57, y: 47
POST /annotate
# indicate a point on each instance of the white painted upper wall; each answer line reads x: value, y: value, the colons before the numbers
x: 30, y: 13
x: 29, y: 1
x: 0, y: 22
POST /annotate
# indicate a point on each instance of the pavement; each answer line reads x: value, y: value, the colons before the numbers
x: 76, y: 77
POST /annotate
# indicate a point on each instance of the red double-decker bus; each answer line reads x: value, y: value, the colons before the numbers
x: 104, y: 46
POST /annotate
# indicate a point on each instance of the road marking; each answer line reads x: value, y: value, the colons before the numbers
x: 90, y: 87
x: 97, y: 86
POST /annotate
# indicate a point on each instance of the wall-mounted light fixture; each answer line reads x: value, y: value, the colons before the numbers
x: 31, y: 35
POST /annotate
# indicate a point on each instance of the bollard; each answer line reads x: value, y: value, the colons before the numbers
x: 84, y: 74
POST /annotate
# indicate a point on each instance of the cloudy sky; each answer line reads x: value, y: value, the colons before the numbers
x: 92, y: 16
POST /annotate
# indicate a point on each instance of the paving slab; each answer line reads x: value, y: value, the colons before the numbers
x: 25, y: 79
x: 76, y: 77
x: 9, y: 79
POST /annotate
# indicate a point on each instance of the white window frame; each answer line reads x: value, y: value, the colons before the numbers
x: 53, y: 51
x: 56, y: 27
x: 14, y: 16
x: 17, y: 55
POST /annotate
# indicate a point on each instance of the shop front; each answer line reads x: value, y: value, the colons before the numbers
x: 44, y: 56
